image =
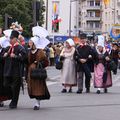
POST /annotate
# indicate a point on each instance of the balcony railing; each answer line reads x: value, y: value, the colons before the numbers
x: 93, y: 7
x: 93, y: 18
x: 92, y: 29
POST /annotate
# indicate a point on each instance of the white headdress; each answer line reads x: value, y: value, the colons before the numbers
x: 101, y: 40
x: 40, y: 43
x: 39, y: 38
x: 7, y: 33
x: 39, y: 31
x: 4, y: 42
x: 70, y: 41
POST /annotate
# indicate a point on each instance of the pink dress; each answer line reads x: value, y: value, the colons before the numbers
x: 99, y: 69
x: 98, y: 77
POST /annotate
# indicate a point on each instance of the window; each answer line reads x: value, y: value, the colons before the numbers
x: 91, y: 24
x: 91, y: 3
x: 106, y: 15
x: 112, y: 14
x: 91, y: 14
x: 106, y: 27
x: 97, y: 24
x: 97, y: 14
x: 97, y: 3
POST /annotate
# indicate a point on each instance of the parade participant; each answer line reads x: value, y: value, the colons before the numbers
x: 68, y: 76
x: 114, y: 54
x: 82, y: 54
x: 5, y: 93
x: 19, y: 28
x: 37, y: 88
x: 102, y: 74
x: 13, y: 57
x: 1, y: 76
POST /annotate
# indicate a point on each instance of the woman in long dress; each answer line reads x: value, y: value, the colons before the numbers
x: 68, y: 74
x: 5, y: 92
x: 102, y: 74
x: 37, y: 89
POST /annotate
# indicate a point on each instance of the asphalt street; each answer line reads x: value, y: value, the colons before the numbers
x: 68, y: 106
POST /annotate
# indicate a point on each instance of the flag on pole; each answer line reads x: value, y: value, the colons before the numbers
x: 106, y: 2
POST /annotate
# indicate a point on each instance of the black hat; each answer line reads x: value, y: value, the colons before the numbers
x: 116, y: 44
x: 83, y: 36
x: 14, y: 34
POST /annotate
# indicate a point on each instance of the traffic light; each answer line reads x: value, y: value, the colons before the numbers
x: 37, y: 10
x: 8, y: 21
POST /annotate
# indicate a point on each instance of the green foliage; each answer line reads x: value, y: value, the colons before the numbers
x: 21, y: 11
x: 1, y: 21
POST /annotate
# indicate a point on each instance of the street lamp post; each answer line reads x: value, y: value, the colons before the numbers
x: 34, y: 12
x: 46, y: 14
x: 70, y: 15
x: 114, y: 11
x: 70, y: 20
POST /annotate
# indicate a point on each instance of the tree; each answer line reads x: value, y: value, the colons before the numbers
x: 21, y: 11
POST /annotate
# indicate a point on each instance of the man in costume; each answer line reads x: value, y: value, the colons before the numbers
x: 82, y: 55
x: 14, y: 55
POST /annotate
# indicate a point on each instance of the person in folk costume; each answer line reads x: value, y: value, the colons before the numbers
x: 13, y: 56
x: 82, y: 55
x: 68, y: 74
x: 19, y: 28
x: 5, y: 93
x: 102, y: 74
x: 115, y: 54
x: 21, y: 40
x: 37, y: 89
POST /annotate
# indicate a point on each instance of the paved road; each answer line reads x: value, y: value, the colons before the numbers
x: 68, y: 106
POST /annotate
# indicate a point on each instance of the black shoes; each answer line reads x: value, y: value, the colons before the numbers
x: 12, y: 105
x: 87, y: 90
x: 36, y: 108
x: 64, y: 91
x: 79, y: 91
x: 98, y: 92
x: 1, y: 104
x: 105, y: 90
x: 70, y: 90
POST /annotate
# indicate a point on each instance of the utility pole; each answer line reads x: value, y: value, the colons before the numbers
x: 8, y: 21
x: 46, y: 14
x: 70, y: 20
x: 114, y: 11
x: 34, y: 13
x: 36, y: 9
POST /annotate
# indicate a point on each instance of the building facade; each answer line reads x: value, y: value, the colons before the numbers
x: 110, y: 15
x: 61, y: 17
x: 67, y: 17
x: 90, y: 16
